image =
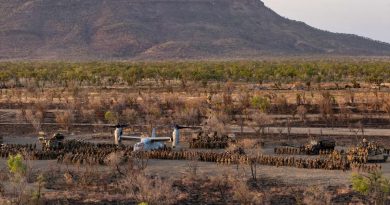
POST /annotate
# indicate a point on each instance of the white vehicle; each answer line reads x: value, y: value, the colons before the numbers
x: 149, y: 143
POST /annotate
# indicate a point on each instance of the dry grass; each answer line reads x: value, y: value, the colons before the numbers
x: 315, y: 195
x: 65, y: 119
x: 35, y: 117
x: 243, y: 194
x: 152, y: 190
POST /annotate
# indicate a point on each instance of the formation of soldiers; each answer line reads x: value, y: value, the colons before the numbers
x: 72, y: 152
x: 361, y: 153
x: 205, y: 140
x: 298, y: 150
x: 13, y: 149
x: 356, y: 158
x: 28, y: 151
x: 223, y: 157
x: 358, y: 155
x: 325, y: 152
x: 365, y: 167
x: 334, y: 161
x: 78, y: 152
x: 289, y: 150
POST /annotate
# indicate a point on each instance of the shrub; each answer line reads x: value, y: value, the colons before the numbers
x: 260, y: 121
x: 16, y: 165
x: 37, y: 194
x: 260, y: 103
x: 18, y: 179
x: 302, y: 111
x: 65, y: 119
x: 111, y: 117
x: 281, y: 104
x: 326, y: 106
x: 35, y: 118
x: 129, y: 116
x: 374, y: 184
x: 150, y: 190
x: 242, y: 194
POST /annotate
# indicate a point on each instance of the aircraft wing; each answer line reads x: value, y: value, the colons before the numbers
x: 131, y: 137
x: 160, y: 139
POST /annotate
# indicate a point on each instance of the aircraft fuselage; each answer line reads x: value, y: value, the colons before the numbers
x: 146, y: 144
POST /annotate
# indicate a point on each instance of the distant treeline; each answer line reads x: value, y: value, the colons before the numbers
x: 130, y: 73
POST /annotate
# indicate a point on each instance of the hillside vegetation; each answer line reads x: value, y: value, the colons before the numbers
x: 163, y: 29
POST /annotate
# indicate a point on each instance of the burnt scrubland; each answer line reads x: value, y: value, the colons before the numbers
x: 264, y: 104
x: 257, y: 126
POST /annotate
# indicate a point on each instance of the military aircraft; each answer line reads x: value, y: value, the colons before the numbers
x: 149, y: 143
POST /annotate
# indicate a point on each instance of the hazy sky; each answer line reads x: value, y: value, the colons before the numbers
x: 369, y: 18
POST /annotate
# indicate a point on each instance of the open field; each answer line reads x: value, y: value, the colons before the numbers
x: 252, y: 107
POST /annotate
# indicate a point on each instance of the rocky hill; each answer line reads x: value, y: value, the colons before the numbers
x: 163, y: 29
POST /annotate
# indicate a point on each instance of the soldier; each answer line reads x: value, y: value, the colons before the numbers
x: 365, y: 143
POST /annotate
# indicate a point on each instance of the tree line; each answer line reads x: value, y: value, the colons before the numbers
x: 131, y: 73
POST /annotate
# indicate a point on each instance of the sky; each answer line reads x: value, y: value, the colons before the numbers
x: 368, y: 18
